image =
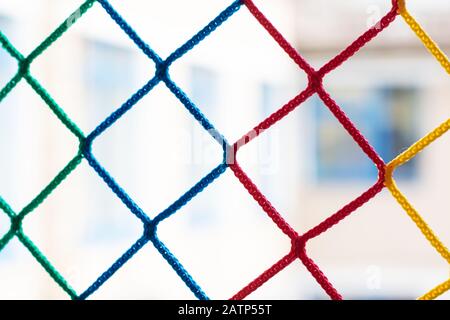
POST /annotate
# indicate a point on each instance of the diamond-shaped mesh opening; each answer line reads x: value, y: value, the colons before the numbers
x: 235, y: 85
x: 385, y: 256
x: 36, y: 20
x: 292, y: 283
x: 99, y: 73
x: 305, y: 158
x: 22, y: 277
x: 434, y: 25
x: 83, y: 236
x: 28, y: 126
x: 177, y: 152
x: 328, y: 27
x: 402, y: 103
x: 161, y: 283
x: 178, y: 25
x: 228, y: 238
x: 387, y: 115
x: 428, y: 192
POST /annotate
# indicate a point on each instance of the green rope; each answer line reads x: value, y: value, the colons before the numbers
x: 24, y: 73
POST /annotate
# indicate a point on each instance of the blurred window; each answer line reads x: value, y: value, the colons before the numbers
x: 386, y: 117
x: 109, y: 72
x: 272, y: 97
x: 204, y: 92
x: 204, y: 88
x: 269, y: 95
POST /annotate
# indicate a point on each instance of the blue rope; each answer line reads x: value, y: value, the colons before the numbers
x: 138, y: 245
x: 130, y: 32
x: 162, y: 74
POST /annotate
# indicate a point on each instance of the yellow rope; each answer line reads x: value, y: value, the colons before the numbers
x: 436, y: 292
x: 415, y: 149
x: 401, y: 159
x: 424, y: 37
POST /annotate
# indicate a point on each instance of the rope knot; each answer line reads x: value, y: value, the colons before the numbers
x: 24, y: 66
x: 162, y: 70
x: 16, y: 223
x: 298, y: 245
x: 315, y: 80
x: 230, y: 152
x: 85, y: 146
x: 150, y: 229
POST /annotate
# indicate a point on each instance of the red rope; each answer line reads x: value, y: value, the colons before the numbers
x: 315, y: 85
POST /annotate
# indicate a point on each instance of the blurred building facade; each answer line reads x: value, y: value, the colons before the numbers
x: 307, y: 165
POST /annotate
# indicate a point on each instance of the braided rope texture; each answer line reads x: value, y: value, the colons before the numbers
x: 149, y: 235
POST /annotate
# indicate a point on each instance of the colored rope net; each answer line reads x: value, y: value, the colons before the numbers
x: 230, y: 151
